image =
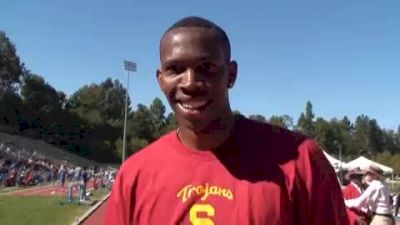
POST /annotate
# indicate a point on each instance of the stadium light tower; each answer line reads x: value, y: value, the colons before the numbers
x: 129, y: 66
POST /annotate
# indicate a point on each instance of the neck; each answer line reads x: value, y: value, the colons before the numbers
x: 209, y: 138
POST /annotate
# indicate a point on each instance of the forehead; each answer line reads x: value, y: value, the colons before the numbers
x: 191, y: 43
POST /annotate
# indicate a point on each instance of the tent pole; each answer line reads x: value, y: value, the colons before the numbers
x: 392, y: 181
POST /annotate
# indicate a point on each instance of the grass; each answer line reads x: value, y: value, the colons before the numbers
x: 99, y: 194
x: 35, y: 210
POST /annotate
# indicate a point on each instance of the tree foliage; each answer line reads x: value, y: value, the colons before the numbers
x: 11, y: 69
x: 305, y: 123
x: 389, y: 159
x: 284, y: 121
x: 258, y: 117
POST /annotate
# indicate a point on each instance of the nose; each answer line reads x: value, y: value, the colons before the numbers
x: 191, y: 79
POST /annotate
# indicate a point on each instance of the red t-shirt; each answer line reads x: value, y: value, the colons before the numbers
x: 261, y: 175
x: 349, y: 192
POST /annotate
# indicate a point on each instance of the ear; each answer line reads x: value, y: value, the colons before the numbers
x: 159, y: 79
x: 232, y: 73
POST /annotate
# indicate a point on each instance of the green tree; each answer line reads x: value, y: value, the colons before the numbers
x: 41, y: 96
x: 346, y: 129
x: 324, y: 134
x: 347, y: 125
x: 100, y: 104
x: 11, y: 72
x: 389, y: 142
x: 258, y: 117
x: 388, y: 159
x: 11, y: 69
x: 85, y: 103
x: 368, y: 136
x: 42, y: 106
x: 305, y: 122
x: 284, y: 121
x: 10, y: 109
x: 112, y: 104
x: 136, y: 144
x: 360, y: 136
x: 236, y: 112
x: 157, y: 111
x: 101, y: 107
x: 171, y: 123
x: 375, y: 137
x: 140, y: 125
x: 397, y: 138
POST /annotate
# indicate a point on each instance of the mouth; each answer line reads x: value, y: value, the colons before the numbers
x: 193, y: 106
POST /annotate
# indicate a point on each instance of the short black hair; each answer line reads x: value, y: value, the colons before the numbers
x: 195, y: 21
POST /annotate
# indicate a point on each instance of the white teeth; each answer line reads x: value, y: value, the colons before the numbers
x: 193, y: 105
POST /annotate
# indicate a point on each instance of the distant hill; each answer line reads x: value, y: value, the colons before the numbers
x: 50, y: 151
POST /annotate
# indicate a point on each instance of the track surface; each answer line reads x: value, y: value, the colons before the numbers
x: 49, y: 190
x: 96, y: 218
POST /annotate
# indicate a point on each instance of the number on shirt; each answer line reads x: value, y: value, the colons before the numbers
x: 201, y: 208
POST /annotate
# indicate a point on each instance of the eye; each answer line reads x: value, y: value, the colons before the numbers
x: 208, y: 65
x: 174, y: 69
x: 208, y: 68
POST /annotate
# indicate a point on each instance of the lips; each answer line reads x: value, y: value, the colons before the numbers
x: 193, y: 105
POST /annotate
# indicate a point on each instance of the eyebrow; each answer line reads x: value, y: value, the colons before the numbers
x: 168, y: 62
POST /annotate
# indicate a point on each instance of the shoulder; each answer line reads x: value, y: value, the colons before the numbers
x: 298, y: 156
x: 377, y: 184
x: 282, y: 142
x: 154, y: 152
x: 266, y: 132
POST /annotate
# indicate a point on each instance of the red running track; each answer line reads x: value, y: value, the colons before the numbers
x: 96, y: 218
x: 49, y: 190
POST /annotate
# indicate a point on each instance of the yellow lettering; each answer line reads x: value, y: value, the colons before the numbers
x: 183, y: 193
x: 205, y: 208
x: 220, y: 190
x: 214, y: 190
x: 229, y: 195
x: 200, y: 190
x: 204, y: 191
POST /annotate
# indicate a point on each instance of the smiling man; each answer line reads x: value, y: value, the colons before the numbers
x: 218, y: 168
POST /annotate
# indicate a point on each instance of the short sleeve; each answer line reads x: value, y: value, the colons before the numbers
x: 319, y: 198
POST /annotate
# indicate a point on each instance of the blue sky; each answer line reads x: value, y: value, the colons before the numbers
x: 343, y: 56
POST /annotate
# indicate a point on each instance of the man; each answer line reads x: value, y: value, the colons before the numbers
x: 83, y: 179
x: 376, y: 197
x: 218, y: 168
x: 396, y: 206
x: 63, y: 176
x: 354, y: 189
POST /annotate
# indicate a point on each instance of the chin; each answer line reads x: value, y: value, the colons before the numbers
x: 193, y: 124
x: 196, y: 124
x: 197, y: 119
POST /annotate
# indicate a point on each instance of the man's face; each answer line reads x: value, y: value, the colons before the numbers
x: 195, y: 75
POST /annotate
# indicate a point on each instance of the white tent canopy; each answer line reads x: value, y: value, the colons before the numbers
x: 335, y: 162
x: 364, y: 163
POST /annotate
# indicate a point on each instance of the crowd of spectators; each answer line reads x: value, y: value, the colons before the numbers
x: 20, y: 167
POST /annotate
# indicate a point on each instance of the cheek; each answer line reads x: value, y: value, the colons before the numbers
x: 168, y: 86
x: 220, y: 88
